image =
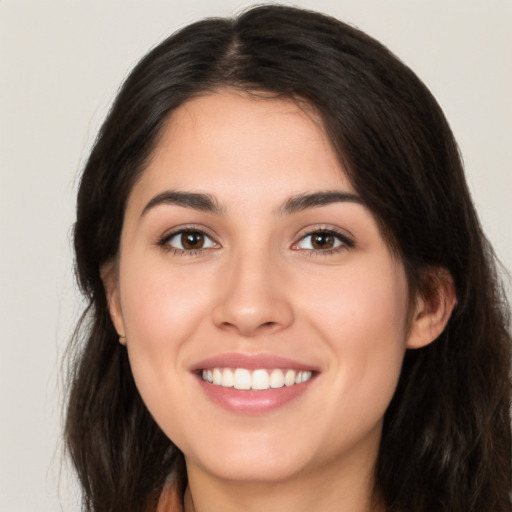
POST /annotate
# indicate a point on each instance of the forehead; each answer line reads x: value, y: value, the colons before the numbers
x: 236, y: 145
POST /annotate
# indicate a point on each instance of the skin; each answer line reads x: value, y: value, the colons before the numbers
x: 258, y: 287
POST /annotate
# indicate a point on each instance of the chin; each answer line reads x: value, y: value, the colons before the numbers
x: 250, y: 460
x: 240, y: 468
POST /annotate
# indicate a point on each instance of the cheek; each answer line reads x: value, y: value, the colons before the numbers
x: 162, y: 312
x: 362, y: 318
x: 162, y: 306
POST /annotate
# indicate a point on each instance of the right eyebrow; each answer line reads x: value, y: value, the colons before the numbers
x: 305, y: 201
x: 195, y: 200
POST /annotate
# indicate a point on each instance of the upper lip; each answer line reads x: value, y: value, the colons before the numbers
x: 251, y: 362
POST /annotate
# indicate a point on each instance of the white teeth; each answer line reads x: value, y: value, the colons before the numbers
x: 217, y: 376
x: 276, y: 379
x: 261, y: 379
x: 289, y: 379
x: 228, y: 378
x: 242, y: 379
x: 302, y: 377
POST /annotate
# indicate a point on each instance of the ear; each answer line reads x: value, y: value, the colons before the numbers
x: 433, y: 308
x: 109, y: 276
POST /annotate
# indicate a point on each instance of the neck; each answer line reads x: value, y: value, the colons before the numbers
x: 343, y: 490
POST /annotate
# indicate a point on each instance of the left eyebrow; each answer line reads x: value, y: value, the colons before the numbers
x: 194, y: 200
x: 302, y: 202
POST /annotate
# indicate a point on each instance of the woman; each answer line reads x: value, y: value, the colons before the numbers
x: 291, y: 302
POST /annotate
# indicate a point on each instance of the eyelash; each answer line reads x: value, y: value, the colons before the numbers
x: 344, y: 242
x: 164, y: 242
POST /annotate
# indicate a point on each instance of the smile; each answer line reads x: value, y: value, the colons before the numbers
x: 256, y: 380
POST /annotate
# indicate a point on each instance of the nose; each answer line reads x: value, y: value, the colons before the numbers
x: 253, y: 298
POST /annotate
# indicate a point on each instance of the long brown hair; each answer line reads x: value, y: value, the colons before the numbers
x: 446, y: 437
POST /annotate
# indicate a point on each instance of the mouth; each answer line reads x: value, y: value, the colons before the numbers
x: 254, y: 384
x: 260, y: 379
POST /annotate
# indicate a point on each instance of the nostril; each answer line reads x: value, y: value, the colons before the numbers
x: 252, y: 314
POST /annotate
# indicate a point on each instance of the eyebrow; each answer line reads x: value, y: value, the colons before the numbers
x: 195, y: 200
x: 302, y: 202
x: 208, y: 203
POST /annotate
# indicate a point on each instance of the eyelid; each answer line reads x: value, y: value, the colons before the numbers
x: 164, y: 239
x: 347, y: 239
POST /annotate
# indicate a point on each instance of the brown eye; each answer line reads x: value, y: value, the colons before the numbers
x: 322, y: 241
x: 189, y: 240
x: 192, y: 240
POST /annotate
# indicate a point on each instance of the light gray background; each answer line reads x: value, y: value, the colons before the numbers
x: 60, y: 65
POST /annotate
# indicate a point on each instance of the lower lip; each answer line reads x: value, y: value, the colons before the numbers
x: 253, y: 402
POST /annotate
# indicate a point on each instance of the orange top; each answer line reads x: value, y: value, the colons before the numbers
x: 170, y: 500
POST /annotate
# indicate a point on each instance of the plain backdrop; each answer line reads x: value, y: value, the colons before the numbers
x: 60, y: 66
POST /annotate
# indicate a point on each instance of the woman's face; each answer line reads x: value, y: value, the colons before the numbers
x: 247, y: 258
